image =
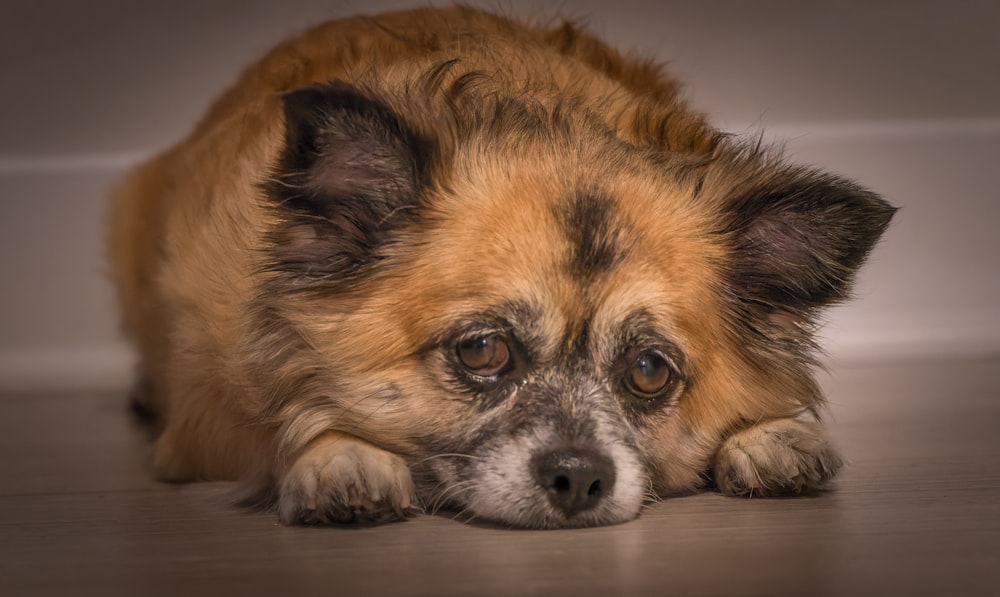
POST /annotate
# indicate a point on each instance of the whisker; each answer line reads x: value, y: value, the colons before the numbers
x: 447, y: 455
x: 449, y: 492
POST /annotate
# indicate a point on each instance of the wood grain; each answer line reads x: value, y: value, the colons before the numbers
x: 916, y: 513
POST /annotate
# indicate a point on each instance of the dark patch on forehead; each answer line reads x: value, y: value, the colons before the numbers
x: 578, y: 337
x: 588, y: 219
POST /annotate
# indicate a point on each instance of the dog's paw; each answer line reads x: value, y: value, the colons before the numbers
x: 341, y: 479
x: 780, y: 457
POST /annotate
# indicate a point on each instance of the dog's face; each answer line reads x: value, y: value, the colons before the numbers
x: 550, y: 323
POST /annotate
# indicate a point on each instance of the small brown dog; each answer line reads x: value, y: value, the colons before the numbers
x: 439, y: 258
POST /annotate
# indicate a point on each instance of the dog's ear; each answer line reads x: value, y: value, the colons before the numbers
x: 799, y: 238
x: 352, y: 170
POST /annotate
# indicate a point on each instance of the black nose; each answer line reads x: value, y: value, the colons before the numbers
x: 575, y: 479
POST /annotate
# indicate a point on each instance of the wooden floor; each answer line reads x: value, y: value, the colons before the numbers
x: 917, y: 513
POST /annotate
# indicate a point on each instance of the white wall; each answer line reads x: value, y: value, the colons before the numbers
x: 902, y: 95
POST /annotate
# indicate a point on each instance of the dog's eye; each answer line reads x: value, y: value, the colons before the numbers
x: 649, y: 375
x: 484, y: 355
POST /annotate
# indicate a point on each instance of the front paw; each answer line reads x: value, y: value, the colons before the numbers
x: 341, y: 479
x: 780, y: 457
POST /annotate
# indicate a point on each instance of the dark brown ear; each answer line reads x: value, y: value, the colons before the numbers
x: 351, y: 172
x: 799, y: 238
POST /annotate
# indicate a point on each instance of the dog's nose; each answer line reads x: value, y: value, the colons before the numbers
x: 575, y: 479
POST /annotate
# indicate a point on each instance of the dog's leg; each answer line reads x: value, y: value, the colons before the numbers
x: 339, y: 478
x: 779, y: 457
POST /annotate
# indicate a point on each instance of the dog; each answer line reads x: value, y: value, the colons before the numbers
x: 442, y: 260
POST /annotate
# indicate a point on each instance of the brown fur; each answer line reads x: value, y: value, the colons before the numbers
x: 294, y: 273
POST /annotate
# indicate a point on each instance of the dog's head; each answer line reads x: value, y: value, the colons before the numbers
x: 551, y: 321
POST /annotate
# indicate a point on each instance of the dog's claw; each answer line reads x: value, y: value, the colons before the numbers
x: 339, y: 479
x: 779, y: 457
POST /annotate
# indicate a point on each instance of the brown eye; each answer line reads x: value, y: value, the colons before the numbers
x: 484, y: 355
x: 649, y: 375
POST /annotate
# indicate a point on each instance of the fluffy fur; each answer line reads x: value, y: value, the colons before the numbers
x: 442, y: 259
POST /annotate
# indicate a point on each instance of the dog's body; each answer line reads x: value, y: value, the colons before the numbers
x: 440, y: 258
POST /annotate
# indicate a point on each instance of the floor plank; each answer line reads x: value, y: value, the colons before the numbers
x: 916, y: 513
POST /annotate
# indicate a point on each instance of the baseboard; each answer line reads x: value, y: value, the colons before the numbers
x: 101, y: 367
x: 860, y: 337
